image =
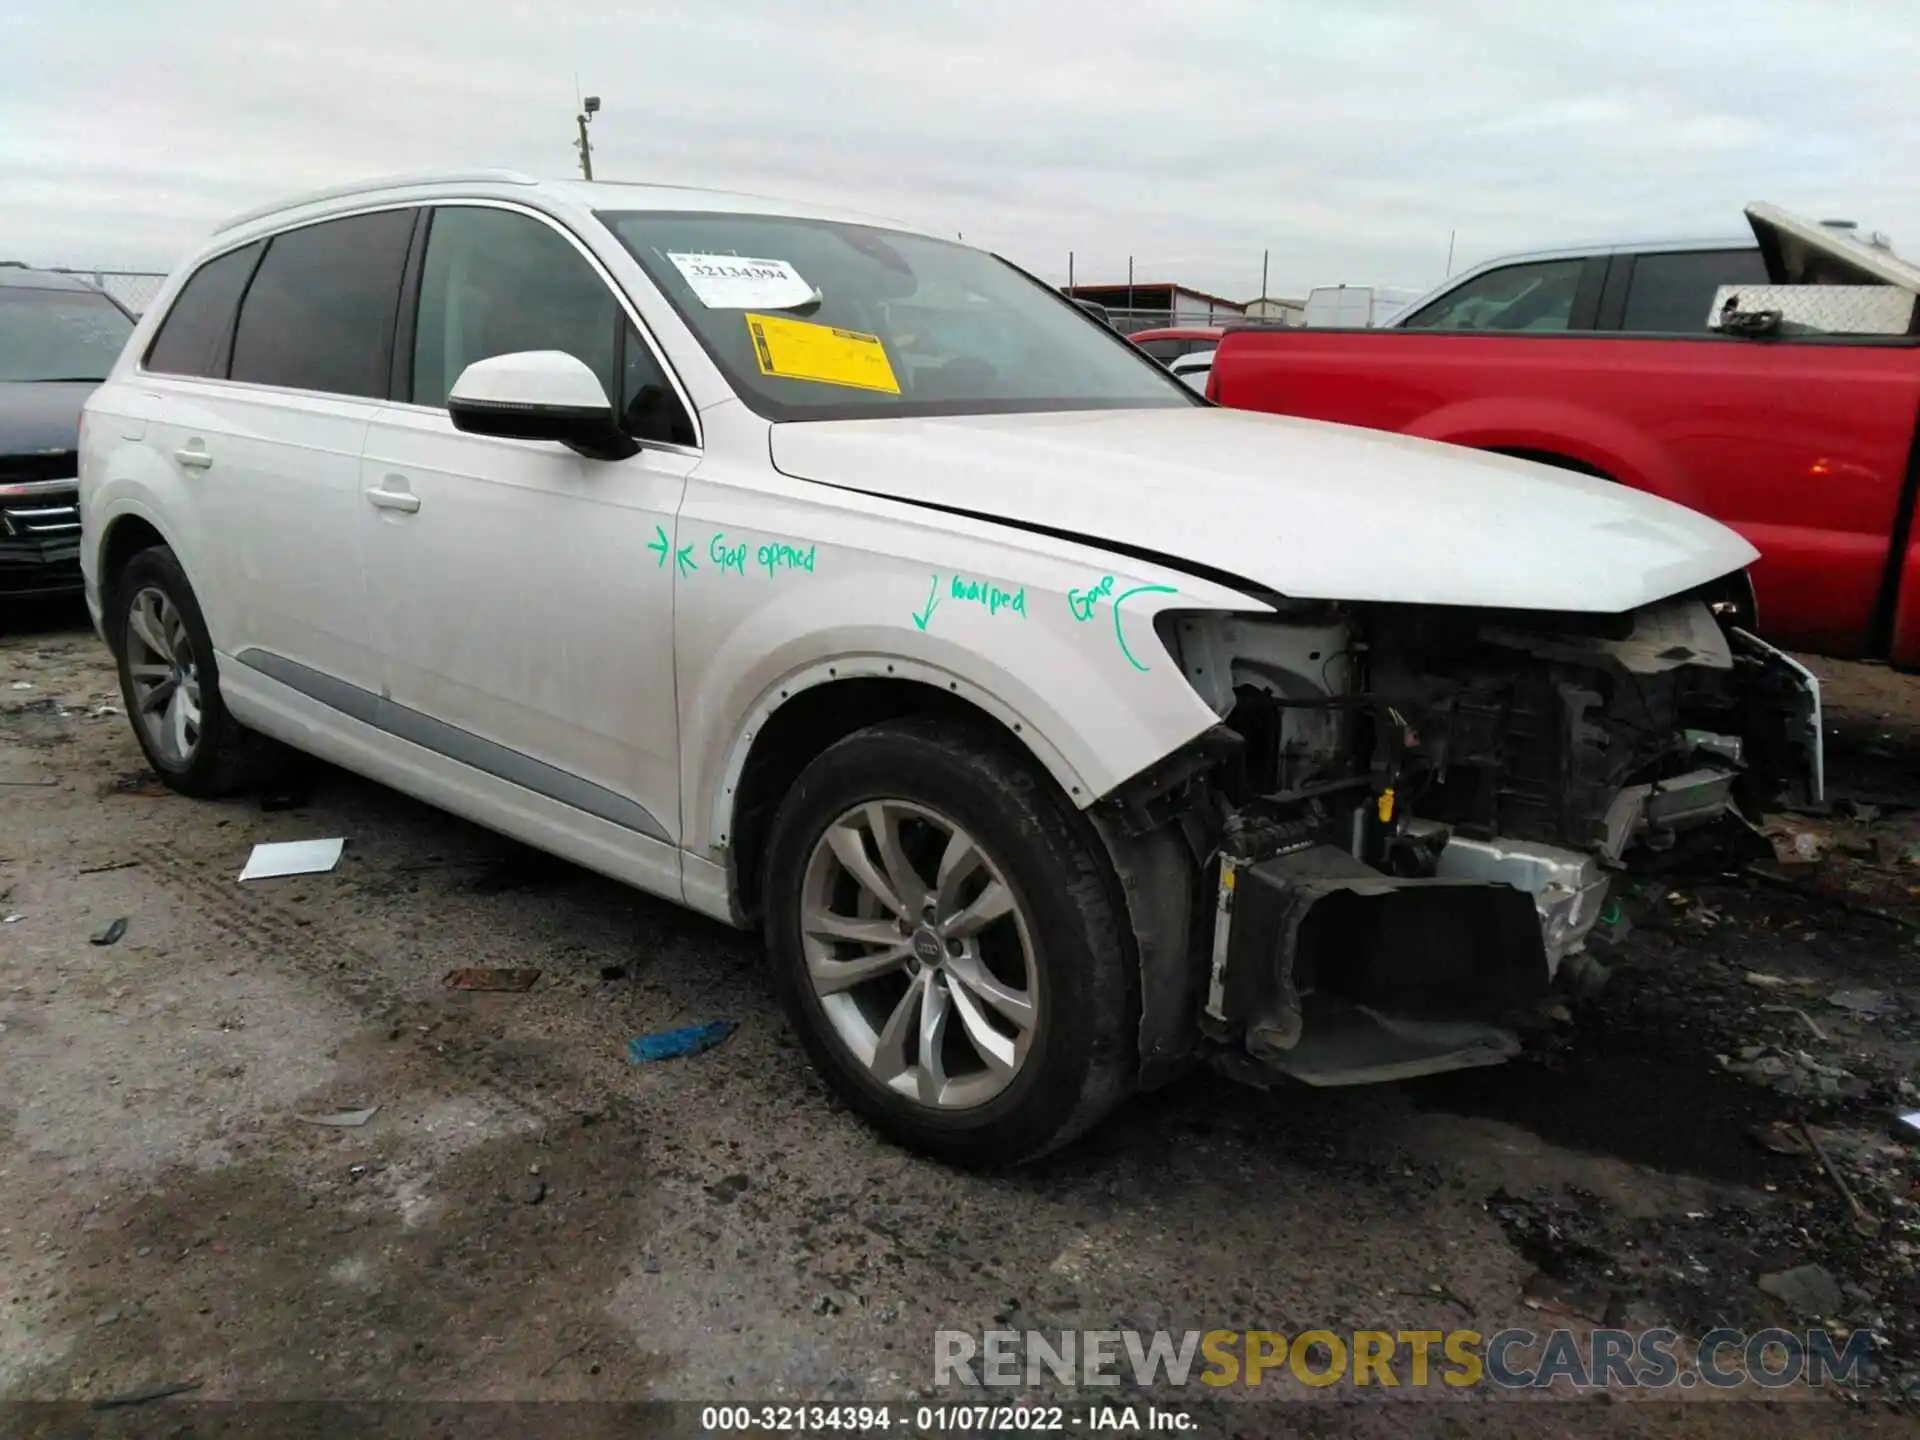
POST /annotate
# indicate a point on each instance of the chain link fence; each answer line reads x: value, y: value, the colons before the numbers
x: 1129, y: 322
x: 134, y: 289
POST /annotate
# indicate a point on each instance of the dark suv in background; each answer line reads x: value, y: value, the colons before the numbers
x: 59, y: 336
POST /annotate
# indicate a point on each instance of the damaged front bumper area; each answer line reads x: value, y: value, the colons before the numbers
x: 1409, y: 818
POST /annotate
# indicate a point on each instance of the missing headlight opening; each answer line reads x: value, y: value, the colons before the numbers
x: 1409, y: 818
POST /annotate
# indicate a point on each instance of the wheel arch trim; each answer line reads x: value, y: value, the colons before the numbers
x: 872, y: 666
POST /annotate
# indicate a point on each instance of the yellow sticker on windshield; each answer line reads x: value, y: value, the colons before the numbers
x: 800, y: 350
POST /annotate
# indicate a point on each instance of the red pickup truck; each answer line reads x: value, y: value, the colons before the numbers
x: 1803, y: 437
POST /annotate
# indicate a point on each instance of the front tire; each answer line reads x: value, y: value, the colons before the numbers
x: 947, y: 937
x: 169, y: 680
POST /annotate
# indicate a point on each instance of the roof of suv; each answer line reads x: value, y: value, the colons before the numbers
x: 576, y: 194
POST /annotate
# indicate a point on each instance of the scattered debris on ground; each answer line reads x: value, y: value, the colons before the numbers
x: 143, y: 783
x: 1807, y: 1290
x: 146, y: 1397
x: 672, y: 1044
x: 292, y: 857
x: 490, y: 977
x: 341, y: 1119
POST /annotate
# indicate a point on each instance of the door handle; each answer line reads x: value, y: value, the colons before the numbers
x: 394, y: 500
x: 194, y: 459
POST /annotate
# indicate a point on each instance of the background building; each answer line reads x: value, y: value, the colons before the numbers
x: 1278, y: 310
x: 1148, y: 306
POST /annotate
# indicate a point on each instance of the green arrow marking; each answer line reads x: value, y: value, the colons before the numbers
x: 661, y: 546
x: 683, y: 557
x: 920, y: 617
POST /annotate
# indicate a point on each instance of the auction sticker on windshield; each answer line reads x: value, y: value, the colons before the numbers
x: 800, y: 350
x: 740, y: 282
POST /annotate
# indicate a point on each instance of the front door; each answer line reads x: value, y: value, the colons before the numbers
x: 522, y: 594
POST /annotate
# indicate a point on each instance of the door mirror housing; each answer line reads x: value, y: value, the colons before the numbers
x: 539, y: 395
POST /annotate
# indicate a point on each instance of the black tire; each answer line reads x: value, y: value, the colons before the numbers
x: 226, y: 753
x: 1082, y: 1061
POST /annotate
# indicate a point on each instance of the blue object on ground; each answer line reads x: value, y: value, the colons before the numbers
x: 671, y: 1044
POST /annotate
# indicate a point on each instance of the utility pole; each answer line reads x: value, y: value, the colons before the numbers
x: 1264, y: 255
x: 1130, y: 289
x: 588, y: 109
x: 1069, y: 272
x: 1450, y: 235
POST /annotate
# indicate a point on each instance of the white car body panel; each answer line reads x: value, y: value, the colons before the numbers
x: 561, y: 645
x: 273, y: 526
x: 748, y: 640
x: 1311, y: 510
x: 1194, y: 369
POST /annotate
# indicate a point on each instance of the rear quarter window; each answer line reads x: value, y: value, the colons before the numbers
x: 1671, y: 294
x: 194, y: 337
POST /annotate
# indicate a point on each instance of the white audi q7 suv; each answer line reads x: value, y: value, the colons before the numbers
x: 1056, y: 728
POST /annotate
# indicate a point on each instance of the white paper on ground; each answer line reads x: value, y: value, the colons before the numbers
x: 292, y: 857
x: 342, y: 1119
x: 740, y: 282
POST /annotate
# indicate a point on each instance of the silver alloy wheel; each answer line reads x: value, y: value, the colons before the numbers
x: 929, y: 983
x: 166, y: 678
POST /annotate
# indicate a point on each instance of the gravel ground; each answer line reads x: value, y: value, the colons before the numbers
x: 529, y: 1218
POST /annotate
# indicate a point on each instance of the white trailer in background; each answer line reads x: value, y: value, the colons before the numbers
x: 1355, y: 307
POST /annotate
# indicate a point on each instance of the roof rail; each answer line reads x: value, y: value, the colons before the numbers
x: 388, y: 182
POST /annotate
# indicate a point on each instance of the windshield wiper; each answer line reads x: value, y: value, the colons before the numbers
x: 67, y: 380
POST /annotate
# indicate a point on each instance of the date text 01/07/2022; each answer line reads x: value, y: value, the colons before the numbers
x: 938, y: 1419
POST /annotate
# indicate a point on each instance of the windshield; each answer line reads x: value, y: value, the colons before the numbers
x: 59, y: 334
x: 820, y: 320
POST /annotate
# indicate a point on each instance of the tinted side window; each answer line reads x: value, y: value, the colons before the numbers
x: 319, y: 314
x: 1515, y: 297
x: 1671, y: 294
x: 496, y: 282
x: 649, y: 410
x: 193, y: 338
x: 1163, y: 350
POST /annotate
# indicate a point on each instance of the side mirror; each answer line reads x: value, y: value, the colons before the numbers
x: 539, y: 395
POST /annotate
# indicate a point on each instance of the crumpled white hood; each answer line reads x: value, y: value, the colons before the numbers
x: 1311, y: 510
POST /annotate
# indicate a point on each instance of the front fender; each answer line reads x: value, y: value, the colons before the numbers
x: 1052, y: 638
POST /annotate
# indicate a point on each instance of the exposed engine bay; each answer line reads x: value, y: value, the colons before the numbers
x: 1409, y: 817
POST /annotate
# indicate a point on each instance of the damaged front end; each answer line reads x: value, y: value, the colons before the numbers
x: 1409, y: 817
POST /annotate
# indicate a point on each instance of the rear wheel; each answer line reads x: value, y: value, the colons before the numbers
x: 169, y: 681
x: 946, y: 933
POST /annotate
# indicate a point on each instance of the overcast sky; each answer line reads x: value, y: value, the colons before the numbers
x: 1348, y: 138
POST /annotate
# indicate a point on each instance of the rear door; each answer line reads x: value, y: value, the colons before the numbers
x: 269, y: 449
x: 523, y: 595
